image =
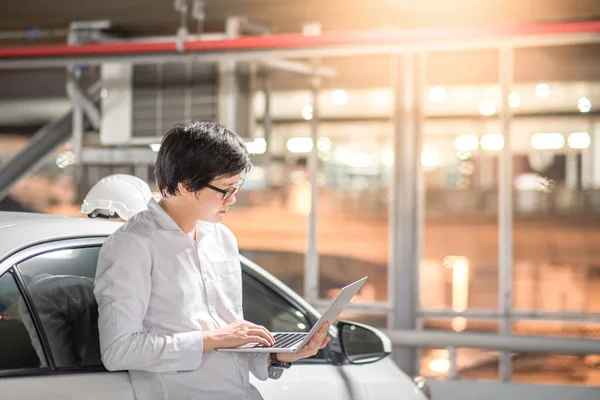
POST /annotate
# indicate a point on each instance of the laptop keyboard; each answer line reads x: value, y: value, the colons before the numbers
x: 285, y: 340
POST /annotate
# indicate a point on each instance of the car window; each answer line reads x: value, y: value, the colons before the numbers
x: 61, y: 286
x: 265, y: 307
x: 20, y: 346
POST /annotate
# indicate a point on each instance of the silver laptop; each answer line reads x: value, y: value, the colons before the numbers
x: 292, y: 342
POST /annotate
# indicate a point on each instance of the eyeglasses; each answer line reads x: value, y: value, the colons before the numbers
x: 227, y: 193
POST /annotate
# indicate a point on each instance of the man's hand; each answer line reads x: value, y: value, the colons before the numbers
x: 235, y: 335
x: 316, y: 343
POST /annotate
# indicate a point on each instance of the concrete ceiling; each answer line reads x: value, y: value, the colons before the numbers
x: 158, y: 17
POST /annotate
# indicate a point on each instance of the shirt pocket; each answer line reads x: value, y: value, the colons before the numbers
x: 229, y: 277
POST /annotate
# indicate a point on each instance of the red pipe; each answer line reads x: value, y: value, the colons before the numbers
x: 327, y: 39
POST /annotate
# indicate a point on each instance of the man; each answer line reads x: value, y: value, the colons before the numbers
x: 169, y: 285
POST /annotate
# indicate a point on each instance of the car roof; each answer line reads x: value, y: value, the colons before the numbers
x: 20, y: 229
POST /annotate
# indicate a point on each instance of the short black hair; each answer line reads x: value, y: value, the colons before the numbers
x: 195, y: 153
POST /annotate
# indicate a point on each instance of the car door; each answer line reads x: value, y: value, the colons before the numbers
x: 49, y: 350
x: 318, y: 377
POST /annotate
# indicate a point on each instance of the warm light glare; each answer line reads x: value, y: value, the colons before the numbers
x: 387, y: 157
x: 380, y: 96
x: 359, y: 160
x: 487, y: 107
x: 299, y: 145
x: 584, y: 105
x: 466, y: 142
x: 459, y: 324
x: 339, y: 97
x: 460, y: 288
x: 257, y: 146
x: 65, y: 159
x: 542, y: 91
x: 547, y: 141
x: 514, y: 99
x: 460, y: 284
x: 345, y: 156
x: 324, y: 144
x: 492, y: 142
x: 437, y: 94
x: 439, y: 366
x: 579, y: 140
x: 307, y: 112
x: 429, y: 157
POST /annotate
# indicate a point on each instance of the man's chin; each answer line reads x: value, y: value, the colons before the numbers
x: 213, y: 218
x: 218, y: 217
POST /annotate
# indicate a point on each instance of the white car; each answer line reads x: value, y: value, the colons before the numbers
x: 48, y: 324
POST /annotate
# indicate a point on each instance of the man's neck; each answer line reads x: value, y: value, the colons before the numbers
x: 176, y: 211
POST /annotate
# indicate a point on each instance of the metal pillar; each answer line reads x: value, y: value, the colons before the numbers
x: 587, y: 157
x: 228, y: 93
x: 421, y: 192
x: 267, y: 122
x: 404, y: 242
x: 505, y: 211
x: 571, y: 170
x: 311, y: 259
x: 595, y: 156
x: 77, y: 128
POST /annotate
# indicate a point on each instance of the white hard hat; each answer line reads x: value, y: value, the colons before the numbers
x: 117, y: 195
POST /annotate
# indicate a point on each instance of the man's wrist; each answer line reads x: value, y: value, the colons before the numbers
x: 276, y: 367
x: 209, y: 341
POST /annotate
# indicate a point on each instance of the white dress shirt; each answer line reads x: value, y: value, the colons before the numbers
x: 157, y: 290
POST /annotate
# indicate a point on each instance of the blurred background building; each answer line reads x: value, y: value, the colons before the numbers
x: 322, y: 130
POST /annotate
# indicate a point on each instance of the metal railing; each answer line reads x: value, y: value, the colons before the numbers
x: 382, y: 307
x: 373, y: 201
x: 507, y: 343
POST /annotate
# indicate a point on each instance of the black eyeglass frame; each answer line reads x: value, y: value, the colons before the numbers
x: 227, y: 193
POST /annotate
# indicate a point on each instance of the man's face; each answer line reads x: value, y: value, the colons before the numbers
x: 208, y: 204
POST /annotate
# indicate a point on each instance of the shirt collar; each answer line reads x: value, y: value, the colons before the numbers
x: 165, y: 221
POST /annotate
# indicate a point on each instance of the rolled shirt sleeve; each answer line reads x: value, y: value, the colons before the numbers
x: 122, y: 289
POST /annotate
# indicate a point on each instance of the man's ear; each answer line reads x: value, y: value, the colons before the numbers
x: 181, y: 188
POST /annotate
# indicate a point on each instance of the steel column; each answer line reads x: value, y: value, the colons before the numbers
x: 311, y: 259
x: 505, y: 211
x: 228, y: 85
x: 267, y: 121
x: 587, y: 157
x: 571, y: 170
x: 595, y: 156
x: 77, y: 126
x: 404, y: 208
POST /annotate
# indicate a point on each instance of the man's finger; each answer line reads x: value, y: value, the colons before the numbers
x: 315, y: 342
x: 266, y: 332
x: 263, y: 334
x: 257, y: 339
x: 325, y: 342
x: 269, y: 334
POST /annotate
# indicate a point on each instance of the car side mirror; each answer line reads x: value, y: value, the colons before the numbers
x: 362, y: 344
